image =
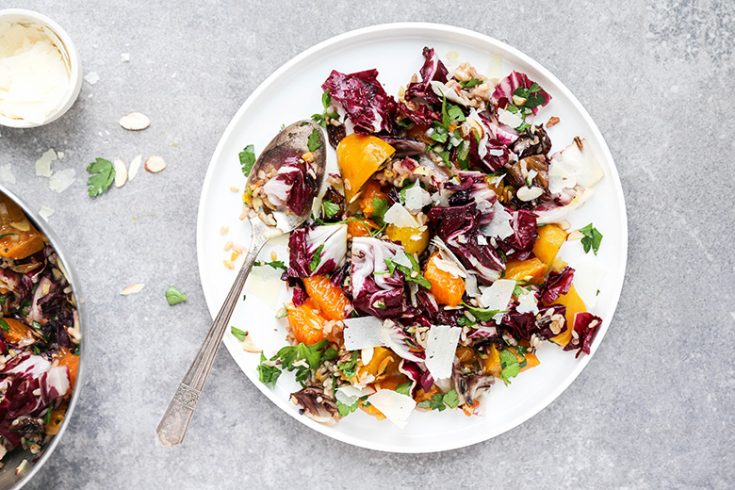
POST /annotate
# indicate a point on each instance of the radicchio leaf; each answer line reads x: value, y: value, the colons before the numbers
x: 432, y: 70
x: 375, y: 291
x: 520, y: 244
x: 292, y: 187
x: 363, y: 98
x: 586, y: 326
x: 503, y: 93
x: 557, y: 284
x: 329, y: 241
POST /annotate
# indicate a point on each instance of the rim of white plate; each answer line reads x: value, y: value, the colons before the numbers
x: 413, y: 29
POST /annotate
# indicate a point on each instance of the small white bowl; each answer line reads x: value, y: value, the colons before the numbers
x: 68, y: 51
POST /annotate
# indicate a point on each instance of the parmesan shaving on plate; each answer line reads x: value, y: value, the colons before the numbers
x: 497, y: 296
x: 417, y: 198
x: 395, y: 406
x: 399, y: 216
x: 499, y: 226
x: 527, y: 302
x: 362, y: 333
x: 401, y: 258
x: 349, y: 394
x: 441, y: 346
x: 572, y: 166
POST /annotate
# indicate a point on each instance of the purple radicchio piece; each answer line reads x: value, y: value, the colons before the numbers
x: 519, y: 325
x: 471, y: 387
x: 551, y: 321
x: 375, y: 291
x: 473, y: 187
x: 364, y: 100
x: 557, y: 284
x: 292, y: 187
x: 432, y: 70
x: 317, y: 251
x: 586, y: 326
x: 458, y: 227
x: 519, y: 245
x: 504, y: 91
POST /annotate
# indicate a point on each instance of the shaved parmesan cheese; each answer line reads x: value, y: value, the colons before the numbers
x: 43, y: 164
x: 92, y: 77
x: 572, y: 166
x: 449, y: 266
x: 349, y: 394
x: 395, y: 406
x: 60, y: 181
x: 6, y: 174
x: 442, y: 90
x: 588, y: 277
x: 509, y: 119
x: 441, y: 346
x: 362, y: 333
x: 527, y: 303
x: 557, y: 214
x: 366, y: 355
x: 497, y: 296
x: 417, y: 198
x: 500, y: 226
x: 399, y: 216
x: 45, y: 212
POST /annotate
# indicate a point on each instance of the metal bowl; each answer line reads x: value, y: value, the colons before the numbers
x: 8, y: 478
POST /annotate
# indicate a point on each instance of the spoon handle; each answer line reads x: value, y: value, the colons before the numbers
x: 175, y: 422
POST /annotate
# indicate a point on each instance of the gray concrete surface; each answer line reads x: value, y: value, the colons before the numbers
x: 654, y: 409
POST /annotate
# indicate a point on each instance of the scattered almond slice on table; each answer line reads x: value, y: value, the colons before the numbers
x: 155, y: 164
x: 134, y: 167
x: 45, y: 212
x: 135, y: 121
x: 121, y: 172
x: 132, y: 289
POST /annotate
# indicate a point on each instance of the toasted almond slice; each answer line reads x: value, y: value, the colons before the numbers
x: 249, y: 346
x: 575, y: 235
x: 132, y: 289
x: 135, y: 121
x: 22, y: 225
x: 134, y: 167
x: 121, y: 172
x: 155, y: 164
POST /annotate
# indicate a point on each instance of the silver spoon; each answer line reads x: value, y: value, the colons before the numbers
x: 291, y: 141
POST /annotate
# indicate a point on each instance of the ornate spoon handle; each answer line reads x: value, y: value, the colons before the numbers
x: 175, y: 422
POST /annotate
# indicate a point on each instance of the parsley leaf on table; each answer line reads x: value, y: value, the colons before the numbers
x: 174, y: 296
x: 102, y: 175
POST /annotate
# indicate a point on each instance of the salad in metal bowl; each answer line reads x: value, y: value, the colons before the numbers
x: 429, y: 269
x: 39, y: 340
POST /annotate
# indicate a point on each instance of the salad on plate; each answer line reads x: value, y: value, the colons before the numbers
x: 428, y: 271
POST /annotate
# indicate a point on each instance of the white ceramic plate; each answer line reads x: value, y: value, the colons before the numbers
x: 293, y: 92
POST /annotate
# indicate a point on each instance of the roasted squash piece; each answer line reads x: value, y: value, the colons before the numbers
x: 358, y: 157
x: 414, y: 240
x: 18, y: 237
x: 330, y: 299
x: 306, y: 322
x: 574, y: 305
x: 529, y: 270
x: 446, y: 288
x: 550, y: 239
x: 13, y: 331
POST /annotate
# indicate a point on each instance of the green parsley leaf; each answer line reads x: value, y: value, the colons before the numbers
x: 174, y: 296
x: 404, y: 388
x: 247, y: 159
x: 455, y: 114
x: 4, y: 235
x: 592, y: 238
x: 330, y: 354
x: 47, y: 417
x: 380, y: 206
x: 349, y: 367
x: 463, y: 321
x: 345, y: 410
x: 315, y: 140
x: 509, y: 364
x: 472, y: 82
x: 238, y: 334
x: 102, y: 176
x: 4, y: 325
x: 274, y: 264
x: 267, y: 373
x: 316, y: 259
x: 412, y: 274
x: 482, y: 314
x: 3, y: 299
x: 326, y: 99
x: 451, y: 399
x: 330, y: 209
x: 439, y: 133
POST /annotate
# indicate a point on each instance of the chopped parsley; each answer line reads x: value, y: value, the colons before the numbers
x: 4, y: 325
x: 314, y: 142
x: 482, y: 314
x: 592, y: 238
x: 441, y: 401
x: 322, y: 118
x: 238, y: 334
x: 532, y: 98
x: 302, y: 359
x: 247, y: 159
x: 349, y: 368
x: 380, y: 207
x: 316, y: 259
x: 174, y: 296
x: 412, y: 274
x: 345, y: 410
x: 274, y: 264
x: 404, y: 388
x: 471, y: 83
x: 510, y: 365
x: 330, y: 209
x: 102, y: 175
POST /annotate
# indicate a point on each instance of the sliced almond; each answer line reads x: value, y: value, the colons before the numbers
x: 575, y: 235
x: 249, y: 346
x: 132, y: 289
x: 155, y: 164
x: 135, y: 121
x: 22, y: 225
x: 121, y: 172
x: 134, y: 167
